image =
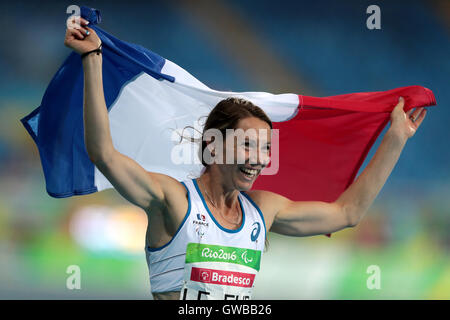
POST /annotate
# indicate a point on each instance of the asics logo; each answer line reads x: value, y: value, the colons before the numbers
x: 255, y: 232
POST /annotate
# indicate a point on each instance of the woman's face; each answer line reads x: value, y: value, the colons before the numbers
x: 245, y: 152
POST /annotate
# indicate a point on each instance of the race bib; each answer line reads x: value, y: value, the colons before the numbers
x: 215, y: 272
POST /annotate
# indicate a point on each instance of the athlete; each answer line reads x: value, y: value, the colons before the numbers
x: 205, y: 236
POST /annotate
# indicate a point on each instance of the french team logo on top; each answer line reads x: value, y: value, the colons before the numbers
x: 201, y: 217
x: 201, y: 220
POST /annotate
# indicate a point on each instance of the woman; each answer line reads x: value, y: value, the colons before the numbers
x: 205, y: 236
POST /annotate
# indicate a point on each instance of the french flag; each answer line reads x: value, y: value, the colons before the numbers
x: 322, y: 142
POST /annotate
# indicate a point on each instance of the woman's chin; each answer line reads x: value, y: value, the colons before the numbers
x: 244, y: 182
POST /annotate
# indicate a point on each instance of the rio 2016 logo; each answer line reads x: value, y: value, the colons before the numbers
x: 220, y: 254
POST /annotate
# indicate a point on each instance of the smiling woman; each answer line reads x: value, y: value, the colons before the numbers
x: 205, y: 236
x: 224, y: 210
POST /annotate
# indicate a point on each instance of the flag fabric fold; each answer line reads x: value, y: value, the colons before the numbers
x: 322, y: 142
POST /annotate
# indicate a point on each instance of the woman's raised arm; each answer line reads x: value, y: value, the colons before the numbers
x: 132, y: 181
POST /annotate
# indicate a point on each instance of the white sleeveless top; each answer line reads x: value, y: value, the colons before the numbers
x: 204, y: 260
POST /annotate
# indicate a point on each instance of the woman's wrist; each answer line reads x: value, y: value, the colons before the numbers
x: 96, y: 51
x: 91, y: 61
x: 396, y: 135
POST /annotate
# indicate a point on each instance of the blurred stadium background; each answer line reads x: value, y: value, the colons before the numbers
x: 307, y: 47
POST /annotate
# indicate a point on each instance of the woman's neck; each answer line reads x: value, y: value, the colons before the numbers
x: 223, y: 196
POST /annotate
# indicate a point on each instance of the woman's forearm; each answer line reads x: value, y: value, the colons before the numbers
x: 359, y: 196
x: 97, y: 134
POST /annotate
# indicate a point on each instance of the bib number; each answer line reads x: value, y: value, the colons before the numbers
x: 219, y: 273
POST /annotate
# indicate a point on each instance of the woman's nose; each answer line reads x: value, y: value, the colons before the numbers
x: 259, y: 158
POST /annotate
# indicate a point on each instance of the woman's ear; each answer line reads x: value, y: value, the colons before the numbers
x: 209, y: 153
x: 210, y: 146
x: 212, y: 151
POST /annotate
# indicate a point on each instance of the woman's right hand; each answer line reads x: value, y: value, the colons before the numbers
x: 79, y: 37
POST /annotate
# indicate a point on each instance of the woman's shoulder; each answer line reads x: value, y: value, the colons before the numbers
x: 263, y: 196
x: 175, y: 193
x: 267, y: 201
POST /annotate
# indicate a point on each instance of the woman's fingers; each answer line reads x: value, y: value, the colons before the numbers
x: 84, y: 31
x: 398, y: 109
x: 414, y: 114
x: 83, y: 21
x: 77, y: 23
x: 73, y: 25
x: 420, y: 118
x: 408, y: 113
x: 76, y: 33
x: 401, y: 103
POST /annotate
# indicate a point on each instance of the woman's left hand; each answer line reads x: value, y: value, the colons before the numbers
x: 405, y: 124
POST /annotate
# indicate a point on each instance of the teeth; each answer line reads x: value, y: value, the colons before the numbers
x: 250, y: 172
